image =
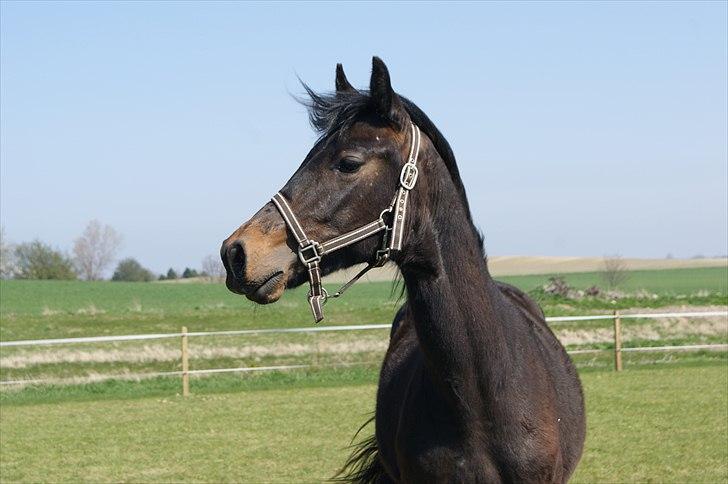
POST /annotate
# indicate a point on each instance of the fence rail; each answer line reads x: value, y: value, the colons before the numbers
x: 185, y: 373
x: 317, y: 329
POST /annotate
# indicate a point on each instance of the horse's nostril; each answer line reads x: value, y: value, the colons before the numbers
x: 236, y: 260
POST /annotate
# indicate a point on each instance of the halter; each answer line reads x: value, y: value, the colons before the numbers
x: 310, y: 251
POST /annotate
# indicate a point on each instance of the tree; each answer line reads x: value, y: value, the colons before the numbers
x: 189, y: 273
x: 212, y: 267
x: 7, y: 257
x: 36, y: 260
x: 171, y: 274
x: 615, y: 271
x: 95, y: 250
x: 130, y: 269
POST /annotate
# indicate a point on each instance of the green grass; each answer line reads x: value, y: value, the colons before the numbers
x: 664, y: 419
x: 656, y: 426
x: 47, y: 309
x: 56, y: 309
x: 169, y: 387
x: 666, y: 424
x: 361, y: 373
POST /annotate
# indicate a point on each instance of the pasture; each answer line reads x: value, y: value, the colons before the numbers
x: 53, y: 309
x: 648, y: 425
x: 294, y: 426
x: 56, y: 309
x: 666, y: 282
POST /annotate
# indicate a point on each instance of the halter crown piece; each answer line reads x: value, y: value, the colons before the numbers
x: 310, y: 251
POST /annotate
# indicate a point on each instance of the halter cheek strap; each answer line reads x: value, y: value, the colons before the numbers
x: 407, y: 180
x: 310, y: 251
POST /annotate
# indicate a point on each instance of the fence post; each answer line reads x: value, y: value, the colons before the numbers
x: 617, y: 342
x: 185, y: 365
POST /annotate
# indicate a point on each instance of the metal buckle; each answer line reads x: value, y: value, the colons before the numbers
x: 408, y: 176
x: 314, y: 247
x: 382, y: 255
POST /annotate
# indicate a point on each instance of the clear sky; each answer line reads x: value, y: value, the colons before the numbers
x: 579, y: 128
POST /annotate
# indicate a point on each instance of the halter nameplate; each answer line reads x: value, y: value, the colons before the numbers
x: 310, y: 251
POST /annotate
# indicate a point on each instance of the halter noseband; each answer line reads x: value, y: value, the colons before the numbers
x: 310, y: 251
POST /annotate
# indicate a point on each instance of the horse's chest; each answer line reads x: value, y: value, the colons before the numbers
x: 421, y: 438
x: 410, y: 417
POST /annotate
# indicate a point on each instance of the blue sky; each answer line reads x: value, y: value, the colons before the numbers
x: 579, y: 128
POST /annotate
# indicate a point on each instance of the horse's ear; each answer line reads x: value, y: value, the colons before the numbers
x: 342, y: 83
x: 384, y: 99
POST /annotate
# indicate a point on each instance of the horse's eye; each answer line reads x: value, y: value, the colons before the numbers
x: 349, y: 165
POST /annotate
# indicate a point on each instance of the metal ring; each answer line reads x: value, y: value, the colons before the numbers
x: 324, y: 294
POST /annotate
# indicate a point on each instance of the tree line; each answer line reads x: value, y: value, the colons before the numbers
x: 93, y: 253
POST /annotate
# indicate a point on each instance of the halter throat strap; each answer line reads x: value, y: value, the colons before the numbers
x: 310, y: 251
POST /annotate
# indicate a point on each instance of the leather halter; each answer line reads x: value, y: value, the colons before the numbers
x: 310, y: 251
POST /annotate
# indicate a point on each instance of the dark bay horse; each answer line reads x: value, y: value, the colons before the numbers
x: 474, y: 386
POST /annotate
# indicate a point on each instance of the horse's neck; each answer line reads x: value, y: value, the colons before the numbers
x: 454, y: 303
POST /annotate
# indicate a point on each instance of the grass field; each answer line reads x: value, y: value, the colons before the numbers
x: 662, y: 282
x: 649, y: 425
x: 52, y: 309
x: 47, y: 309
x: 662, y: 420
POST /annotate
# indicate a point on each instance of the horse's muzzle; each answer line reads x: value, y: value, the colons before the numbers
x: 263, y: 288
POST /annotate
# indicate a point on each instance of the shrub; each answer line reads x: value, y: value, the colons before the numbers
x: 131, y: 270
x: 36, y: 260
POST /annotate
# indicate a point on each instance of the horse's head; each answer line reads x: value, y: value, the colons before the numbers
x: 347, y: 179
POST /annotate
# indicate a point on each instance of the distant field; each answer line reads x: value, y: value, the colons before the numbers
x: 523, y: 265
x: 662, y: 282
x: 656, y: 425
x: 45, y: 309
x: 517, y: 265
x: 48, y: 309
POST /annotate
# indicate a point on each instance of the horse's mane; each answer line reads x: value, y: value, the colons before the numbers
x: 332, y: 113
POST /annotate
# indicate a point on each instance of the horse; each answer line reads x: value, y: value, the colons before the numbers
x: 474, y: 386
